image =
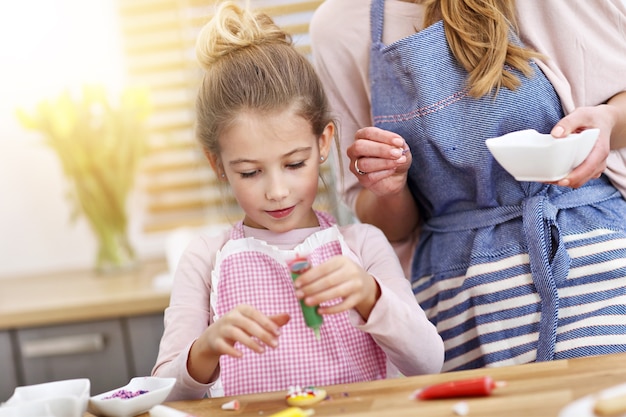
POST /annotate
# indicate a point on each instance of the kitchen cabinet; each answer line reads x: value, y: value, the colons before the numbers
x: 103, y: 327
x: 8, y: 375
x: 108, y: 352
x: 144, y: 334
x: 92, y: 350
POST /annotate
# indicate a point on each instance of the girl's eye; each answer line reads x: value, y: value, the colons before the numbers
x: 296, y: 165
x: 248, y: 174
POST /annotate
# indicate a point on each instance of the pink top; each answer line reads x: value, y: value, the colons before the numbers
x: 585, y: 41
x: 397, y: 323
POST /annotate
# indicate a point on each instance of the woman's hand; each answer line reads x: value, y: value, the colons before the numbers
x: 385, y: 201
x: 383, y: 159
x: 610, y: 118
x: 339, y: 277
x: 581, y: 119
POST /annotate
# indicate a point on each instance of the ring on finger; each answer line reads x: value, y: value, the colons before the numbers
x: 356, y: 167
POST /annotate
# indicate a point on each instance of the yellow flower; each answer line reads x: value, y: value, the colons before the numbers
x: 63, y: 117
x: 99, y: 144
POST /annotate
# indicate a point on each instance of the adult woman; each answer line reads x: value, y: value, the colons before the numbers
x: 509, y: 272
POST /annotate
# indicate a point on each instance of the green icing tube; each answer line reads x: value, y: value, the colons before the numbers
x: 312, y: 319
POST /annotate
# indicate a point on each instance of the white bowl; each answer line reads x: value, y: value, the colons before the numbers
x: 48, y: 407
x: 532, y: 156
x: 74, y: 392
x: 157, y: 390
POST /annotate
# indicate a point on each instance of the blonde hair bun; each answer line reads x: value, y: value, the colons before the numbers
x: 233, y: 28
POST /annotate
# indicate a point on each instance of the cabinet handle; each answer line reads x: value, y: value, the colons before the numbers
x: 65, y: 345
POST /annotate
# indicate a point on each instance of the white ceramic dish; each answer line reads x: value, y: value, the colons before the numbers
x: 532, y: 156
x: 583, y: 407
x: 50, y: 407
x: 74, y: 392
x: 157, y: 391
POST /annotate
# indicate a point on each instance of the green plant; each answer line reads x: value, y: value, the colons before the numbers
x: 99, y: 143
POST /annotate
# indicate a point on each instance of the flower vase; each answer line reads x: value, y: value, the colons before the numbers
x: 115, y: 253
x: 99, y: 143
x: 103, y: 202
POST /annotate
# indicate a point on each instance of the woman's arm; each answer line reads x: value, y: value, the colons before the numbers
x: 341, y: 40
x: 395, y: 215
x: 618, y: 134
x: 341, y: 58
x: 586, y: 60
x: 384, y: 199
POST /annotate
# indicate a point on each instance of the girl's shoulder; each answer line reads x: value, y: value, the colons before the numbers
x: 203, y: 242
x: 214, y: 237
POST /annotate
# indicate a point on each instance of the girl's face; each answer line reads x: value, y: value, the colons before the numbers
x: 272, y: 164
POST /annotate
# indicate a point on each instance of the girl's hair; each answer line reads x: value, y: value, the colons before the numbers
x: 251, y: 65
x: 479, y: 35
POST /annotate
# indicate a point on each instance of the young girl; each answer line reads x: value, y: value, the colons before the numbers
x: 234, y: 313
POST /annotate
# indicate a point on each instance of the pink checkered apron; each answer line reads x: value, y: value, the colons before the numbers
x: 249, y: 271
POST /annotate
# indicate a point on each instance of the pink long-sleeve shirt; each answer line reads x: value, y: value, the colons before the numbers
x: 397, y: 323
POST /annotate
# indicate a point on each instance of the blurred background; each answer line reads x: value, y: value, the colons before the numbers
x: 98, y: 155
x: 51, y: 46
x: 46, y: 46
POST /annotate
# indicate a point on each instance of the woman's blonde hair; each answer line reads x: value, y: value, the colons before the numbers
x: 479, y: 35
x: 251, y: 64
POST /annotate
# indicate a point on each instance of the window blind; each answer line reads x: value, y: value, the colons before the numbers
x: 176, y: 184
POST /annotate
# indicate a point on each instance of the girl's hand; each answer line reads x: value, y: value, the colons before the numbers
x: 383, y: 158
x: 339, y: 277
x: 580, y: 119
x: 243, y: 324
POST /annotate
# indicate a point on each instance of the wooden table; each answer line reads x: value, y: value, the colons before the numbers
x: 538, y: 389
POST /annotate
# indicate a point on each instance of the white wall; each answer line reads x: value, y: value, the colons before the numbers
x: 46, y: 45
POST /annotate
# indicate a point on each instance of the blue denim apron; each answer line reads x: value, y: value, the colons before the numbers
x: 491, y: 268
